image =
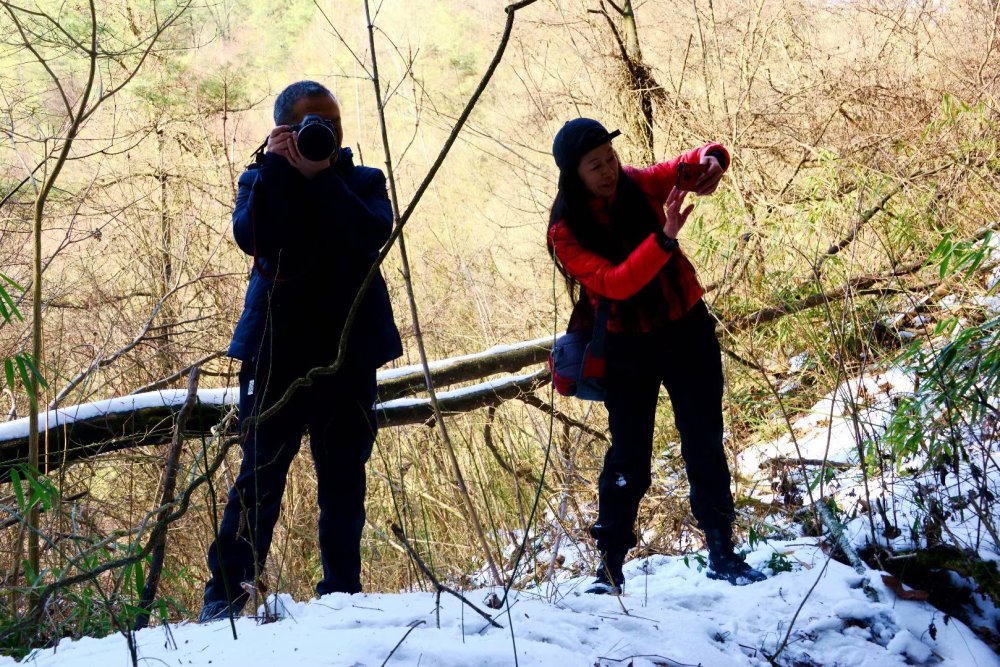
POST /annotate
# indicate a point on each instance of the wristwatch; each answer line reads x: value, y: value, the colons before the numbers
x: 665, y: 241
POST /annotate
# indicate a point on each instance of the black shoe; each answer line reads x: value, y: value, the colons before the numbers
x: 725, y: 565
x: 218, y: 610
x: 610, y: 580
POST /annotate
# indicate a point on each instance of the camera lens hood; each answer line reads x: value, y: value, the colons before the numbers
x: 316, y: 140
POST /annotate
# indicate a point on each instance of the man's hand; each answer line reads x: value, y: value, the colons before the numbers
x: 281, y: 142
x: 707, y: 184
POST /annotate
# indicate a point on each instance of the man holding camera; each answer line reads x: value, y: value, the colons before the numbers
x: 313, y: 223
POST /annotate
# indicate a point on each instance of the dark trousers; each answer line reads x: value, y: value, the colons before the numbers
x: 686, y: 359
x: 339, y: 414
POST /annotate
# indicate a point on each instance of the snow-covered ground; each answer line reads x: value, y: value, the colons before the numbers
x: 670, y: 615
x: 818, y: 614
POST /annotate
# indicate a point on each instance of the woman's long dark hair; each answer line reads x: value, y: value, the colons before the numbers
x: 632, y: 220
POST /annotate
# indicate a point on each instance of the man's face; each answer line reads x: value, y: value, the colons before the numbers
x: 323, y: 106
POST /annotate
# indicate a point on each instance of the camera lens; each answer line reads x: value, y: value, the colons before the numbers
x: 316, y: 140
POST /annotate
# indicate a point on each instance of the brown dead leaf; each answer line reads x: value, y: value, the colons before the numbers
x: 896, y: 586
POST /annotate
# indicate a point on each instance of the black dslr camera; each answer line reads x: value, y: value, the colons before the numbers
x: 317, y: 138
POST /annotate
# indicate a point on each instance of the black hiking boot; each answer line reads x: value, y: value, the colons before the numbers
x: 610, y: 580
x: 216, y: 610
x: 725, y: 565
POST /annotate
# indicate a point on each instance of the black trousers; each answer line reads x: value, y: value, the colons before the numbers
x: 339, y: 413
x: 686, y: 359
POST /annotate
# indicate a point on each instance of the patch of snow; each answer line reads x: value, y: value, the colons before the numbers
x: 828, y: 430
x: 798, y: 362
x: 670, y: 614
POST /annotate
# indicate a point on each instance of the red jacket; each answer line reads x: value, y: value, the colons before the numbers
x: 648, y: 261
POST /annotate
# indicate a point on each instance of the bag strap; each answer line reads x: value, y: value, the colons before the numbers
x: 600, y: 327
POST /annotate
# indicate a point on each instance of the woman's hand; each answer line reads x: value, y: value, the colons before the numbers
x: 675, y: 217
x: 707, y: 184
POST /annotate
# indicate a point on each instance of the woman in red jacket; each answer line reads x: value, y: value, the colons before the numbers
x: 613, y: 233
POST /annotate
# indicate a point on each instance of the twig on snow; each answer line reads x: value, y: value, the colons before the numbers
x: 398, y: 532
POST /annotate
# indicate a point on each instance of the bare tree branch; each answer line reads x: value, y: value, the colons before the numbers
x: 398, y: 532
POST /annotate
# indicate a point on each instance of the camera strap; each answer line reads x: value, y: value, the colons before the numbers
x: 258, y: 154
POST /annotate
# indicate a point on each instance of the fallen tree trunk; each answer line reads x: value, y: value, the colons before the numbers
x: 399, y: 382
x: 85, y: 431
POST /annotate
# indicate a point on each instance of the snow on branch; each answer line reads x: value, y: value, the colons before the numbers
x: 83, y: 431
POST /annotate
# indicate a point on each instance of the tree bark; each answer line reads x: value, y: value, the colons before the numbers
x: 169, y: 485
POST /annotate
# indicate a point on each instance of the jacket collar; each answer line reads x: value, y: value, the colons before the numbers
x: 602, y: 204
x: 345, y: 162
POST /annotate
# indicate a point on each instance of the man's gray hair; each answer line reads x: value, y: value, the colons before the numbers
x: 292, y: 94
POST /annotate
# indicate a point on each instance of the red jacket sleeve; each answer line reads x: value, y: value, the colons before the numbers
x: 599, y: 274
x: 658, y: 179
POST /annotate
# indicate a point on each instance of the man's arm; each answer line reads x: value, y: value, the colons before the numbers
x: 361, y: 217
x: 261, y: 223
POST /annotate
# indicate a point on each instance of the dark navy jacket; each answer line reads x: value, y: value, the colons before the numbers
x: 313, y: 243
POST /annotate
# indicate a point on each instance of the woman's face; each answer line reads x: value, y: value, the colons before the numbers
x: 599, y: 170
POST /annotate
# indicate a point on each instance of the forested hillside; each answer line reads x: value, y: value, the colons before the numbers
x: 853, y: 233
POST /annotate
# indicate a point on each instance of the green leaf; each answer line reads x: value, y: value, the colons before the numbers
x: 29, y: 573
x: 22, y: 371
x: 40, y: 491
x: 34, y: 371
x: 977, y: 260
x: 8, y: 371
x: 161, y: 605
x: 26, y: 370
x: 15, y: 481
x: 140, y: 579
x: 13, y: 282
x: 8, y: 308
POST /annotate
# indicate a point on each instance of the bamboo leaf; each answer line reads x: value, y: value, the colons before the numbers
x: 34, y: 371
x: 24, y: 373
x: 8, y: 371
x: 39, y: 492
x: 977, y: 260
x: 9, y: 310
x: 12, y: 282
x: 15, y: 481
